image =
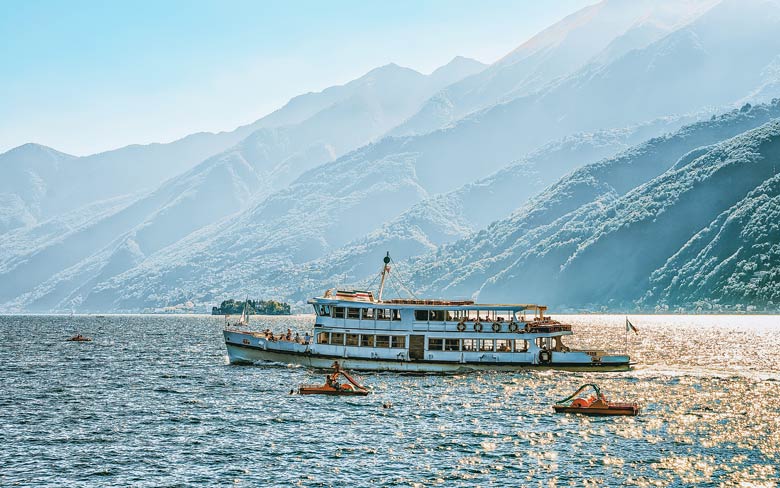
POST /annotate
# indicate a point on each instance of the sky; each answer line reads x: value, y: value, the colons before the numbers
x: 86, y: 76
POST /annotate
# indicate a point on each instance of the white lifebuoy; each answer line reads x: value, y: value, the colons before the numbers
x: 461, y: 326
x: 545, y: 356
x: 478, y: 326
x: 513, y: 326
x: 496, y: 326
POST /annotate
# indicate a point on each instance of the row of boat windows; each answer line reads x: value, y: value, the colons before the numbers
x: 419, y: 315
x: 361, y: 340
x: 434, y: 344
x: 358, y: 313
x: 499, y: 345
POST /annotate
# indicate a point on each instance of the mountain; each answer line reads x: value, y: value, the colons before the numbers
x: 290, y: 207
x: 443, y: 218
x: 597, y: 34
x: 731, y: 264
x: 308, y: 130
x: 595, y: 237
x: 267, y: 159
x: 26, y: 172
x: 329, y: 206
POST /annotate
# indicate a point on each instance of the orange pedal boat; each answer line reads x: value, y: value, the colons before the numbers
x: 333, y: 387
x: 594, y: 405
x: 78, y: 338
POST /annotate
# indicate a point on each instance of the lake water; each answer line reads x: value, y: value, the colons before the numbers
x: 153, y: 402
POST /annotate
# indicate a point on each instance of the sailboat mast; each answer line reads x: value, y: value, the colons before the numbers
x: 385, y: 270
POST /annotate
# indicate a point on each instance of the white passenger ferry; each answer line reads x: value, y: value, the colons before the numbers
x: 422, y: 336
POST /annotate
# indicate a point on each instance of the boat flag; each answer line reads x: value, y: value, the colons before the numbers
x: 630, y: 326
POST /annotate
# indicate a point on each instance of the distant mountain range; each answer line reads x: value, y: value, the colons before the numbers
x: 622, y: 159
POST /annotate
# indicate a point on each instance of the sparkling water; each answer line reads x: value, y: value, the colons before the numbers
x: 152, y: 402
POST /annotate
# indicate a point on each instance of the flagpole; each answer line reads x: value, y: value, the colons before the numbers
x: 625, y: 344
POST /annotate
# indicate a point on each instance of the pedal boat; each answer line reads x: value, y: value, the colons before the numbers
x: 78, y: 338
x: 596, y: 405
x: 332, y: 385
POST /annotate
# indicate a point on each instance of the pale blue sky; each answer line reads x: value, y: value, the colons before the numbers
x: 87, y: 76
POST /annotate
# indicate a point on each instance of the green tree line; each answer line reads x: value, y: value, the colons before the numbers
x: 254, y: 307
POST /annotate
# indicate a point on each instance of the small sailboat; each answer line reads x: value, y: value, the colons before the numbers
x: 332, y: 385
x: 243, y: 320
x: 594, y: 405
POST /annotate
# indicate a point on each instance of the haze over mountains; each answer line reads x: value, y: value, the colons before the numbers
x: 623, y: 158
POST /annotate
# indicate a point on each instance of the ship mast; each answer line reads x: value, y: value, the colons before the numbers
x: 385, y: 270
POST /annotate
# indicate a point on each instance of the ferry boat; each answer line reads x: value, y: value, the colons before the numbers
x: 367, y: 333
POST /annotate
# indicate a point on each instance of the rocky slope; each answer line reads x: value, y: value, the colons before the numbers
x: 596, y: 237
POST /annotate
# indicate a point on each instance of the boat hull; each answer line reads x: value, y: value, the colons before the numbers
x: 630, y: 410
x: 304, y: 390
x: 250, y: 354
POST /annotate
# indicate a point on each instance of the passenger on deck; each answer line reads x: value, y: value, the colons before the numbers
x: 297, y: 338
x: 306, y: 338
x: 289, y: 335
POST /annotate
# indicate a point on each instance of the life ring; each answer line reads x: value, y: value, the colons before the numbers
x: 545, y: 356
x: 478, y: 326
x: 461, y: 326
x: 496, y: 326
x: 513, y: 326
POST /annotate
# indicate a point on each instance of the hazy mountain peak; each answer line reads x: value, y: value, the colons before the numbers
x: 32, y: 149
x: 459, y: 67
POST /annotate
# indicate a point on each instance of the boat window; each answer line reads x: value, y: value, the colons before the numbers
x: 338, y: 312
x: 396, y: 314
x: 353, y: 313
x: 437, y: 315
x: 322, y: 310
x: 367, y: 341
x: 521, y: 345
x: 503, y: 345
x: 469, y: 344
x: 337, y: 338
x: 368, y: 314
x: 322, y: 338
x: 398, y: 341
x: 435, y: 344
x: 544, y: 342
x: 382, y: 314
x: 486, y: 344
x: 452, y: 344
x: 353, y: 339
x: 421, y: 315
x: 382, y: 341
